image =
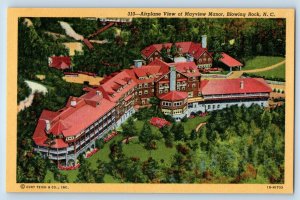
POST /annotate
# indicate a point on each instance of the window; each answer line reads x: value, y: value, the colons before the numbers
x: 208, y: 106
x: 140, y: 86
x: 183, y: 88
x: 140, y: 92
x: 166, y: 90
x: 218, y: 106
x: 190, y: 94
x: 146, y: 85
x: 209, y: 59
x: 200, y: 60
x: 193, y: 85
x: 160, y: 91
x: 166, y: 76
x: 151, y: 59
x: 145, y: 91
x: 178, y: 75
x: 152, y: 90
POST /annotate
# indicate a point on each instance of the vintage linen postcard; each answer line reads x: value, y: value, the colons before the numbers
x: 150, y: 100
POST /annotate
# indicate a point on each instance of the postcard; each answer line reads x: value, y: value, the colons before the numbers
x: 150, y: 100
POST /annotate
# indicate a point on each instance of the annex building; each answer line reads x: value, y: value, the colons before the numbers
x: 64, y: 134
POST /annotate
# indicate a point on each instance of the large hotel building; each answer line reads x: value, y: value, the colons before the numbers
x: 64, y: 134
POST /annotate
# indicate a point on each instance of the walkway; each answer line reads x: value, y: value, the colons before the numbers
x: 237, y: 74
x: 35, y: 87
x: 200, y: 125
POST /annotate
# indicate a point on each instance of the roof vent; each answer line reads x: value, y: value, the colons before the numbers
x: 48, y: 125
x: 242, y: 84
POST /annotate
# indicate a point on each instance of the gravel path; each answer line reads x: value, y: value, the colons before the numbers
x: 35, y: 87
x: 70, y: 31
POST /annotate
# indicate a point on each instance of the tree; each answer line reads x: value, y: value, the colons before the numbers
x: 154, y: 101
x: 85, y: 173
x: 173, y: 50
x: 129, y: 129
x: 151, y: 169
x: 100, y: 172
x: 193, y: 135
x: 146, y: 136
x: 168, y: 136
x: 178, y: 130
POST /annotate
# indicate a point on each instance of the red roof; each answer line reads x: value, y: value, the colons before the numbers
x: 60, y: 62
x: 192, y: 48
x: 229, y: 61
x: 174, y: 96
x: 187, y: 68
x: 59, y: 143
x: 115, y: 87
x: 159, y: 122
x: 71, y: 120
x: 88, y: 43
x: 233, y: 86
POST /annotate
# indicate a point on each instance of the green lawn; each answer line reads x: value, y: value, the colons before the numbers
x: 278, y: 72
x: 261, y: 62
x: 220, y: 72
x: 134, y: 149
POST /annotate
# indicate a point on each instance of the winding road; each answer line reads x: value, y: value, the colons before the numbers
x: 35, y: 87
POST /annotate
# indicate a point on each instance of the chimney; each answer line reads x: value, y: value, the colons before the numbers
x: 172, y: 78
x: 204, y: 41
x: 48, y: 125
x: 242, y: 84
x: 138, y: 63
x: 73, y: 102
x: 98, y: 93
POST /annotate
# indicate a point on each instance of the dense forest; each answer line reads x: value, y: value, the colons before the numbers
x: 241, y: 38
x: 238, y: 145
x: 226, y: 150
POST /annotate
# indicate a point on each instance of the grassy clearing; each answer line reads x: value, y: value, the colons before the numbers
x: 278, y: 72
x: 262, y: 62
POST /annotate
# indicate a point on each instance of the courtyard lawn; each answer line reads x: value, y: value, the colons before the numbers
x: 278, y: 72
x: 134, y: 149
x: 220, y: 72
x: 262, y: 62
x: 191, y: 124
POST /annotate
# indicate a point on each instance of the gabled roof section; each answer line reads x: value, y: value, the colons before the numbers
x: 174, y: 96
x: 192, y: 48
x: 229, y: 61
x: 189, y: 69
x: 234, y: 86
x: 60, y: 62
x: 116, y: 86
